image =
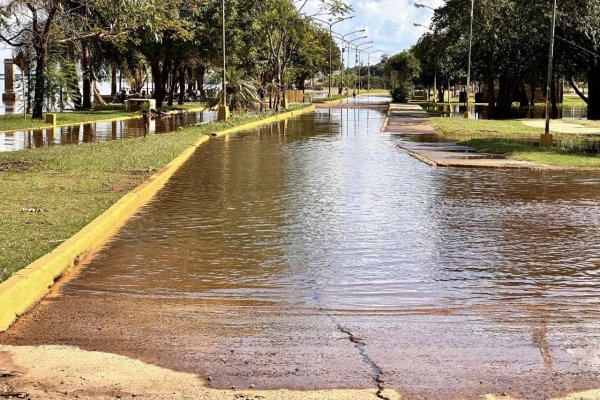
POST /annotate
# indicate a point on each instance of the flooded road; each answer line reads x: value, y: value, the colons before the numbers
x: 99, y: 131
x: 312, y: 253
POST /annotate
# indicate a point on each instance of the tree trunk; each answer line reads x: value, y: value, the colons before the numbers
x: 40, y: 82
x: 594, y: 90
x: 200, y: 79
x: 181, y: 98
x: 576, y: 89
x: 86, y: 68
x: 159, y: 84
x: 113, y: 80
x: 523, y: 99
x: 172, y: 81
x: 532, y: 89
x: 98, y: 96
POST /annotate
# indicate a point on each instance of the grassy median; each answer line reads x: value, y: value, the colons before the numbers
x: 521, y: 142
x: 13, y: 122
x: 49, y: 194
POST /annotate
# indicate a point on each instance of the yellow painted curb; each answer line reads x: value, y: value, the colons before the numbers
x: 29, y: 285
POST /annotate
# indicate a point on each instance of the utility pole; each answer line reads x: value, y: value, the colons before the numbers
x: 467, y: 115
x: 546, y: 138
x: 223, y: 113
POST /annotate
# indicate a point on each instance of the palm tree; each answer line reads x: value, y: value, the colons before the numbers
x: 241, y: 92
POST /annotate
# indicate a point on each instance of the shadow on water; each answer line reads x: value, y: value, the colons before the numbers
x: 99, y: 131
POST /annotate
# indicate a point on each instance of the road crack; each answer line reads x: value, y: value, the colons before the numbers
x: 360, y: 346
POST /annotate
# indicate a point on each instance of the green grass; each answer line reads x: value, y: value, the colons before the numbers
x: 573, y: 101
x: 521, y: 142
x: 15, y: 122
x: 195, y: 105
x: 49, y: 194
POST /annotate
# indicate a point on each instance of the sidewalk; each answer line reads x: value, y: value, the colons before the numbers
x: 410, y: 123
x: 560, y: 126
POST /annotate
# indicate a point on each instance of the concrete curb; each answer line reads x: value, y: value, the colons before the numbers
x: 29, y: 285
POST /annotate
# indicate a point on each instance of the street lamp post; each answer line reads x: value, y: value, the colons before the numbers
x: 420, y: 5
x: 343, y: 37
x: 331, y: 24
x: 357, y: 59
x: 223, y: 114
x: 469, y: 62
x: 546, y: 138
x: 349, y: 43
x: 359, y: 52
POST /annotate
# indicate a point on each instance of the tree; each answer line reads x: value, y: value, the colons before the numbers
x: 38, y: 24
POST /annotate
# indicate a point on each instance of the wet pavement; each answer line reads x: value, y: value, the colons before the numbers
x: 410, y: 124
x: 312, y: 253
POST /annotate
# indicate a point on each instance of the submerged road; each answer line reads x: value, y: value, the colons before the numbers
x: 313, y: 254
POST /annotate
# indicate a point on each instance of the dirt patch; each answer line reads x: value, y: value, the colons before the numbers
x: 64, y: 372
x: 123, y: 187
x: 15, y: 165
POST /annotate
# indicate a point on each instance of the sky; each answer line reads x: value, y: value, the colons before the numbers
x: 388, y: 23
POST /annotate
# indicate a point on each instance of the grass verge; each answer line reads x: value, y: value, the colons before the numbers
x: 520, y: 142
x: 15, y: 122
x: 51, y: 193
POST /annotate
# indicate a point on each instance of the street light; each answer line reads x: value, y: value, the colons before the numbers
x: 422, y: 26
x: 343, y: 37
x: 349, y: 43
x: 469, y: 63
x: 331, y: 24
x: 223, y: 114
x: 420, y: 5
x: 357, y: 59
x: 546, y: 138
x: 360, y: 64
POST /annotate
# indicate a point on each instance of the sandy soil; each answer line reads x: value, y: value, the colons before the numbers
x: 63, y: 372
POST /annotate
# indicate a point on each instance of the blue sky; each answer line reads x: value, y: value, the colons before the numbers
x: 389, y: 23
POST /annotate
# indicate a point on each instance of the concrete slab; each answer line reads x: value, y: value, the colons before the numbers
x: 410, y: 123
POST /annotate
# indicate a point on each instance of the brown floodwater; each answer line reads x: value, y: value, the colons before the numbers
x: 312, y: 253
x: 99, y: 131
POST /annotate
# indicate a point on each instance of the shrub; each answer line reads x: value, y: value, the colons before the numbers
x: 401, y: 93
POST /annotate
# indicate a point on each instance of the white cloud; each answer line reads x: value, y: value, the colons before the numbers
x: 389, y: 23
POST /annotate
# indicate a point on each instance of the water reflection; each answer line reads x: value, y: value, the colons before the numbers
x: 480, y: 111
x: 98, y: 131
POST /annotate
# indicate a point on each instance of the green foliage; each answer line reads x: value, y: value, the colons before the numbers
x: 405, y: 65
x: 402, y: 92
x: 241, y: 91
